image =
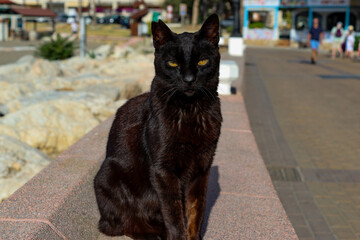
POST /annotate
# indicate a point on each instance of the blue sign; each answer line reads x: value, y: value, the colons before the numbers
x: 183, y: 9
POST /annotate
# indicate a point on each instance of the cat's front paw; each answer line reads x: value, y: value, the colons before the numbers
x: 176, y: 236
x: 198, y: 237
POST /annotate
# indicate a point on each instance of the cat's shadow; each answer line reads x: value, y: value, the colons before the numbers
x: 213, y: 193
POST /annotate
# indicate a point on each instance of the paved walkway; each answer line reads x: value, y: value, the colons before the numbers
x: 306, y: 121
x: 14, y: 50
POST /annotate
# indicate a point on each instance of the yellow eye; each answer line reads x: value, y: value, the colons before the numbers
x: 203, y: 62
x: 172, y: 64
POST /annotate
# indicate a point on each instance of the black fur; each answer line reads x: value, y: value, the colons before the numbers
x: 152, y: 184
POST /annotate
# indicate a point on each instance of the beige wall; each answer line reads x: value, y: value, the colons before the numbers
x: 74, y: 3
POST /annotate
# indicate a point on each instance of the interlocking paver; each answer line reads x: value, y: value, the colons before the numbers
x: 336, y: 221
x: 304, y: 196
x: 324, y: 202
x: 324, y: 236
x: 296, y: 220
x: 344, y: 233
x: 303, y: 232
x: 355, y: 226
x: 319, y: 226
x: 307, y: 117
x: 330, y: 211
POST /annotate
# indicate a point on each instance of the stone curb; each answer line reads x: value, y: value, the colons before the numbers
x: 59, y: 202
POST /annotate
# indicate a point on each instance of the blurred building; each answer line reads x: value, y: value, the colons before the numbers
x: 14, y: 16
x: 291, y: 19
x: 101, y: 6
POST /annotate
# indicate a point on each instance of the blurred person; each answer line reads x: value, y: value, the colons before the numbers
x: 74, y: 27
x: 315, y: 37
x: 350, y: 41
x: 337, y: 33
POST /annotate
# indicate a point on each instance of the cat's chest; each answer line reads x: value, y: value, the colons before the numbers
x: 193, y: 126
x: 185, y: 121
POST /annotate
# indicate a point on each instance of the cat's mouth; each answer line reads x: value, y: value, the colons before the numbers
x: 189, y: 92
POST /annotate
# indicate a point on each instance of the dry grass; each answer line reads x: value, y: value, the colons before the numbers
x: 40, y: 26
x: 111, y: 30
x: 97, y: 30
x: 187, y: 28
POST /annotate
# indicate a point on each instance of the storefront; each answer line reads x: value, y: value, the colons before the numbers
x: 328, y: 12
x: 261, y: 19
x: 291, y: 19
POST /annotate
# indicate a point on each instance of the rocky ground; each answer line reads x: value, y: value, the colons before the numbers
x: 47, y: 106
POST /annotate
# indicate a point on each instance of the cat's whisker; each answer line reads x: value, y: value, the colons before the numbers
x: 204, y: 92
x: 212, y: 94
x: 167, y: 92
x: 172, y: 94
x: 208, y: 93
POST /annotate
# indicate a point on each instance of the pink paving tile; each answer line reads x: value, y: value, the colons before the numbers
x: 241, y: 200
x: 238, y: 217
x: 18, y: 230
x: 234, y: 121
x: 238, y: 143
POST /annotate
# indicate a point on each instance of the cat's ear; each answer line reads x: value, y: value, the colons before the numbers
x: 161, y: 33
x: 210, y: 29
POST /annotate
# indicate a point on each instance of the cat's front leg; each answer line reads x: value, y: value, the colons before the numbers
x: 168, y: 189
x: 195, y: 207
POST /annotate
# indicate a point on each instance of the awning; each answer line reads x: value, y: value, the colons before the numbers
x: 8, y: 2
x: 34, y: 12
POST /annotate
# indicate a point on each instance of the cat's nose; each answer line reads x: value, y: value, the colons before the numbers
x: 189, y: 79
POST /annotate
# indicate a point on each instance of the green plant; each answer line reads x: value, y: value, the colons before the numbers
x: 257, y: 25
x: 357, y: 43
x: 56, y: 49
x: 91, y: 54
x: 149, y: 28
x: 229, y: 29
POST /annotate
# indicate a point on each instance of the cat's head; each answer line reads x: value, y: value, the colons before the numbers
x: 187, y: 64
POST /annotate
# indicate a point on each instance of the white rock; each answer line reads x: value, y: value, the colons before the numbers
x: 15, y: 69
x: 33, y: 35
x: 109, y: 91
x: 9, y: 91
x: 45, y: 68
x: 88, y: 98
x: 26, y: 59
x: 50, y: 126
x: 70, y: 37
x: 122, y: 52
x: 103, y: 51
x: 18, y: 163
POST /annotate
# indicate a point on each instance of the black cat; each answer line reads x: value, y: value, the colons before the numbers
x: 152, y: 184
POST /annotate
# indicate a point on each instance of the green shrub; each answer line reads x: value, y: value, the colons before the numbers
x: 56, y: 49
x: 356, y: 44
x: 257, y: 25
x: 229, y: 29
x: 149, y: 29
x: 91, y: 54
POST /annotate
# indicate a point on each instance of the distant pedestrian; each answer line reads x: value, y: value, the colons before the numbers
x: 315, y: 37
x: 74, y: 27
x: 350, y: 41
x: 337, y: 33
